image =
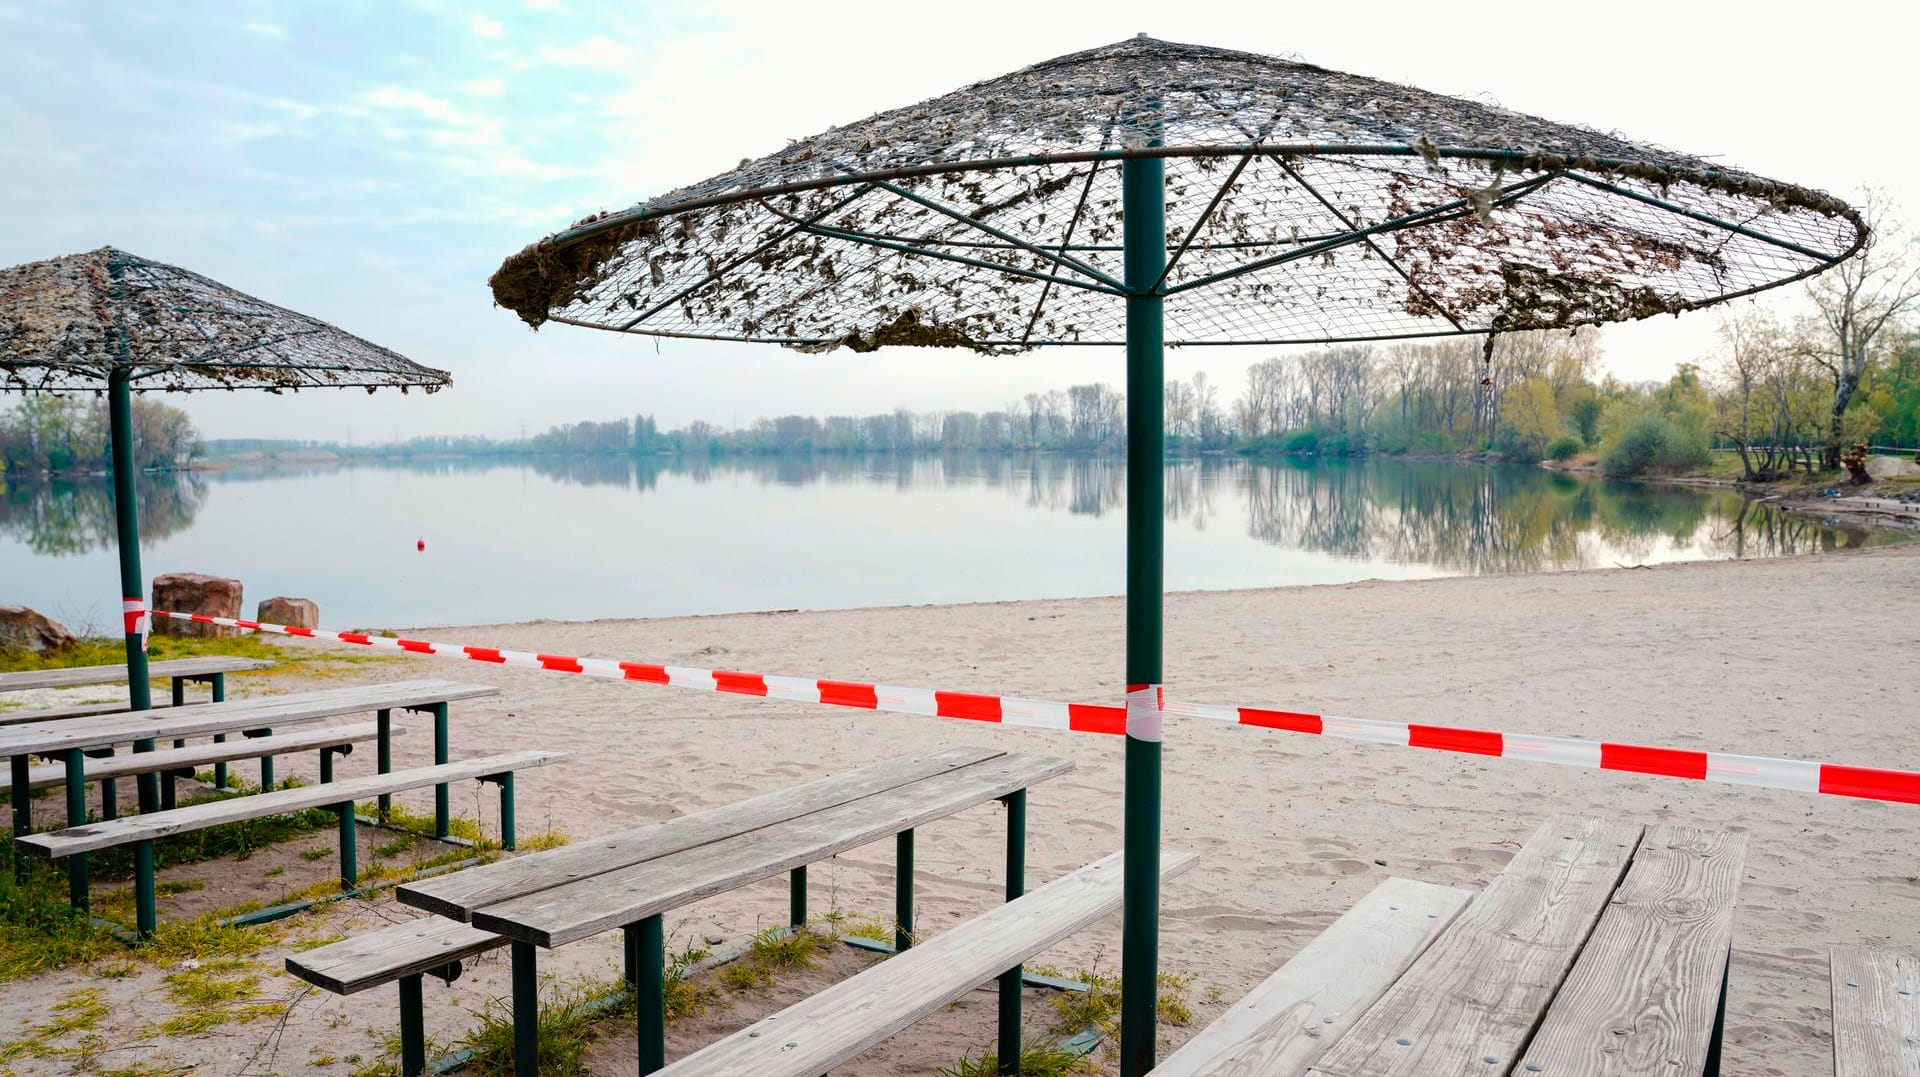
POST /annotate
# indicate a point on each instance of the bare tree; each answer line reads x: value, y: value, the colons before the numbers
x: 1858, y: 299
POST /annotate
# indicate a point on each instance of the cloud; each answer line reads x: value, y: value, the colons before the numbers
x: 483, y: 26
x: 488, y: 87
x: 266, y: 29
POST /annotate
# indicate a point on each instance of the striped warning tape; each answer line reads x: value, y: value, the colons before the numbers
x: 1871, y: 783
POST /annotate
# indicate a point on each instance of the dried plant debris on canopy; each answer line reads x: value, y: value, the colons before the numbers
x: 1303, y: 205
x: 65, y: 322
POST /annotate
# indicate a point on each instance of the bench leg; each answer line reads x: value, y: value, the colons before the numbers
x: 902, y: 891
x: 797, y: 898
x: 386, y: 759
x: 220, y: 696
x: 146, y: 917
x: 652, y: 994
x: 413, y: 1028
x: 109, y: 792
x: 22, y: 810
x: 76, y: 815
x: 1010, y: 981
x: 440, y: 803
x: 630, y: 957
x: 266, y: 762
x: 148, y: 784
x: 506, y: 810
x: 326, y: 766
x: 349, y: 850
x: 526, y: 1011
x: 169, y: 791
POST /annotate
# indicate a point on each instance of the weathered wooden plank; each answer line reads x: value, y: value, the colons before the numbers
x: 457, y: 894
x: 111, y: 832
x: 1280, y: 1027
x: 58, y: 714
x: 234, y: 714
x: 1642, y: 998
x: 562, y: 914
x: 46, y: 775
x: 1876, y: 1012
x: 818, y: 1034
x: 1480, y: 989
x: 381, y: 957
x: 76, y: 676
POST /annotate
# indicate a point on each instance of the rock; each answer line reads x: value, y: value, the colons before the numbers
x: 22, y: 629
x: 298, y: 612
x: 191, y: 592
x: 1891, y: 467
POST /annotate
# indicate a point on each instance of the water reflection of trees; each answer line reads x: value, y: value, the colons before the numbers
x: 73, y: 516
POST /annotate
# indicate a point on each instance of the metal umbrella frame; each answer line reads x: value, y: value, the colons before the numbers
x: 1222, y: 197
x: 113, y: 322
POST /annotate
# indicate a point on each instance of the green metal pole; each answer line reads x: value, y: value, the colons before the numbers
x: 526, y: 1010
x: 385, y: 718
x: 506, y: 810
x: 441, y: 812
x: 349, y: 847
x: 413, y: 1028
x: 651, y: 994
x: 132, y: 584
x: 76, y: 815
x: 220, y: 696
x: 902, y: 891
x: 146, y: 916
x: 1010, y: 981
x: 22, y: 811
x: 1144, y: 241
x: 797, y: 898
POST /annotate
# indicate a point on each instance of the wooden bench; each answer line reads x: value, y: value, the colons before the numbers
x: 178, y: 670
x: 629, y: 880
x: 429, y: 946
x: 142, y: 830
x: 1600, y: 949
x: 71, y: 740
x: 181, y: 762
x: 1876, y: 1012
x: 813, y: 1036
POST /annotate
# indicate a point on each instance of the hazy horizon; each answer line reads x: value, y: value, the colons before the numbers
x: 371, y: 164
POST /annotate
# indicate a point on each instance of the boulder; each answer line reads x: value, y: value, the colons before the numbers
x: 298, y: 612
x: 22, y: 629
x: 191, y: 592
x: 1891, y: 467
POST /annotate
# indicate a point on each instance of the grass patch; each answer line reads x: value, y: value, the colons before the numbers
x: 770, y: 953
x: 567, y: 1029
x: 209, y: 994
x: 1036, y: 1060
x: 1099, y: 1005
x: 103, y: 651
x: 859, y: 927
x: 80, y: 1011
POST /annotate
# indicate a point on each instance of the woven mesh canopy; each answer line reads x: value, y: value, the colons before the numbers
x: 66, y: 322
x: 1303, y: 205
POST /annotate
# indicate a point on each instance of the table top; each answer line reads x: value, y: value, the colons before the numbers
x: 260, y: 712
x: 75, y: 676
x: 558, y: 896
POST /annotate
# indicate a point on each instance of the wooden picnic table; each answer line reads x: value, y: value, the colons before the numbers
x: 178, y: 669
x: 70, y: 739
x: 628, y: 880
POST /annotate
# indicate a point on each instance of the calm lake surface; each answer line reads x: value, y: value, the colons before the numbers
x: 582, y: 538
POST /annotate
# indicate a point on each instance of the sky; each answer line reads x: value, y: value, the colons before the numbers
x: 371, y: 163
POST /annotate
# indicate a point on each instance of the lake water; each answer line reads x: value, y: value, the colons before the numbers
x: 608, y: 537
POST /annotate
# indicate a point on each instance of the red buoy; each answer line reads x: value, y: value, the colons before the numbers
x: 420, y: 545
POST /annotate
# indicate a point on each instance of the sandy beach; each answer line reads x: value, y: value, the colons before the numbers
x: 1811, y: 657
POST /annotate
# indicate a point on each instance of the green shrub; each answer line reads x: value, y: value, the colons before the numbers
x: 1654, y: 443
x: 1565, y: 447
x: 1304, y: 440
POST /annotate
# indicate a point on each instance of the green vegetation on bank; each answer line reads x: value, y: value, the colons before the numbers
x: 47, y: 433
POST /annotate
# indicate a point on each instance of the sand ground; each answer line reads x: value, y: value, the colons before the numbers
x: 1814, y: 657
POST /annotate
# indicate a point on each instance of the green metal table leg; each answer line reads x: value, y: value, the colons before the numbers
x: 266, y: 762
x: 386, y: 759
x: 220, y: 696
x: 126, y: 518
x: 506, y: 810
x: 146, y: 916
x: 526, y: 1011
x: 652, y: 995
x: 1010, y: 981
x: 1144, y: 244
x: 148, y: 784
x: 440, y: 803
x: 109, y: 792
x: 76, y: 815
x: 21, y: 772
x: 902, y: 891
x: 797, y: 898
x: 630, y: 957
x: 413, y: 1028
x: 349, y: 849
x: 326, y: 766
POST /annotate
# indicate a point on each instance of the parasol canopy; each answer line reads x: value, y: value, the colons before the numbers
x: 66, y: 323
x: 1302, y: 205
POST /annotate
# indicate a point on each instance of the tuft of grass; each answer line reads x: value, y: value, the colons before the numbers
x: 549, y: 838
x: 1036, y: 1060
x: 1099, y: 1005
x: 80, y: 1011
x: 859, y: 927
x: 685, y: 996
x: 566, y: 1030
x: 209, y: 994
x: 178, y: 886
x: 770, y: 953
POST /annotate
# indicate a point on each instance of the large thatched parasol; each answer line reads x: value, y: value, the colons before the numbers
x: 112, y: 321
x: 1147, y: 193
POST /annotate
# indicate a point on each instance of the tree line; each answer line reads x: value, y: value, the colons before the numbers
x: 45, y: 434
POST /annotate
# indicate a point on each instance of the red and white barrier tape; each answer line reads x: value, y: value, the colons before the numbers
x: 1141, y: 718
